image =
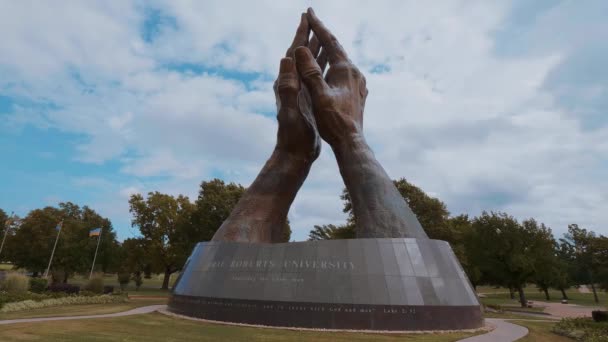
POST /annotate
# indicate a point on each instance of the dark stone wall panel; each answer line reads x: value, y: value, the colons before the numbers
x: 394, y: 284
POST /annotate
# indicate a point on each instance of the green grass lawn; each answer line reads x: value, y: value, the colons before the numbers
x: 513, y: 315
x: 158, y: 327
x: 82, y: 310
x: 500, y: 296
x: 540, y: 332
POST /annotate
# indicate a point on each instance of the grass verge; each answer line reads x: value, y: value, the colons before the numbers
x: 540, y: 332
x: 81, y: 310
x: 158, y: 327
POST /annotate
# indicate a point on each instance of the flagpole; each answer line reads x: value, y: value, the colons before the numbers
x: 46, y: 273
x: 6, y: 228
x: 95, y: 257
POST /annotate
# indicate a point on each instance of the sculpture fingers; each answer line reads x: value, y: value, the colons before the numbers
x: 314, y: 46
x: 305, y: 107
x: 287, y: 84
x: 335, y: 51
x: 301, y: 37
x: 322, y: 60
x: 310, y: 73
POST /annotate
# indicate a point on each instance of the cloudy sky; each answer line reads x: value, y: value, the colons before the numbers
x: 488, y: 105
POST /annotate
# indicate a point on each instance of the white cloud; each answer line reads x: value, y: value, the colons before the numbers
x: 451, y: 112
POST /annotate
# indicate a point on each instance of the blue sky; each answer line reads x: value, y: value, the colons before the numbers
x: 486, y: 105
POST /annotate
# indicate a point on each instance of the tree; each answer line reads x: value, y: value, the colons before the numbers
x: 134, y: 258
x: 165, y: 222
x: 585, y: 250
x: 331, y: 232
x: 565, y: 267
x: 33, y: 241
x: 4, y: 225
x: 461, y: 239
x: 216, y: 200
x: 546, y: 263
x: 431, y: 212
x: 506, y: 252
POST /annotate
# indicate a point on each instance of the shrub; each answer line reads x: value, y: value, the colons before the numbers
x: 582, y: 329
x: 108, y: 289
x: 95, y: 284
x: 599, y: 316
x: 123, y: 279
x: 38, y: 285
x: 31, y: 304
x: 137, y: 278
x: 65, y: 288
x: 58, y: 276
x: 16, y: 283
x: 6, y: 297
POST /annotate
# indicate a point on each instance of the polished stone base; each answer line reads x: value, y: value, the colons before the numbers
x: 362, y: 284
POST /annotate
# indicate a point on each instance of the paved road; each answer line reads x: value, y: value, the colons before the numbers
x: 504, y: 332
x: 136, y: 311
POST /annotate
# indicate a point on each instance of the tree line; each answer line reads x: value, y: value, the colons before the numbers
x: 494, y: 248
x: 168, y: 226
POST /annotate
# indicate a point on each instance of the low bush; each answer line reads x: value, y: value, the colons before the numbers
x: 38, y: 285
x: 6, y: 297
x: 108, y: 289
x: 582, y: 329
x: 95, y: 284
x: 70, y: 300
x: 15, y: 283
x: 123, y: 279
x: 65, y: 288
x: 600, y: 316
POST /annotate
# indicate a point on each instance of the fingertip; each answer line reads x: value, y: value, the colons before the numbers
x: 287, y: 65
x: 302, y: 52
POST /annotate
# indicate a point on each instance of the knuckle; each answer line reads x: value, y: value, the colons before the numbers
x: 311, y: 73
x: 286, y: 84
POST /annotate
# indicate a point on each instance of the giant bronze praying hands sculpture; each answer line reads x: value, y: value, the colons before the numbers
x: 308, y: 105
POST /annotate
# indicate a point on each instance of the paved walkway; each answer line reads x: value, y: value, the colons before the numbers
x: 136, y: 311
x: 567, y: 310
x: 504, y: 332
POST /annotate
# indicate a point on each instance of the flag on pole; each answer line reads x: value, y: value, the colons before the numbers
x: 58, y: 227
x: 95, y: 232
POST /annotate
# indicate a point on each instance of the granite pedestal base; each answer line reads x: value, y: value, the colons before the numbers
x: 362, y: 284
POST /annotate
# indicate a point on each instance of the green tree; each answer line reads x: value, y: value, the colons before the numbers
x: 165, y: 223
x: 4, y: 222
x: 505, y: 251
x: 134, y: 258
x: 565, y: 267
x: 546, y: 263
x: 331, y: 232
x: 586, y: 252
x: 461, y: 232
x: 216, y: 200
x: 32, y: 244
x: 601, y: 246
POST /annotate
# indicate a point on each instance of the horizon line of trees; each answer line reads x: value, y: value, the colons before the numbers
x: 494, y: 248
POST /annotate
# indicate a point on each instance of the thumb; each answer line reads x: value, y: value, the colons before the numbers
x: 310, y: 72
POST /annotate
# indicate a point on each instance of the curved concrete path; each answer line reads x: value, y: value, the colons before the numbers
x: 136, y: 311
x: 504, y: 332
